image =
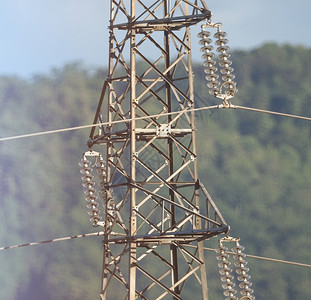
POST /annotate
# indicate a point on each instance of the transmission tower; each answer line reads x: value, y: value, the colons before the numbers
x: 154, y: 205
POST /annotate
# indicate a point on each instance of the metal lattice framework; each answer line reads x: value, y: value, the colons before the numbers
x: 154, y: 203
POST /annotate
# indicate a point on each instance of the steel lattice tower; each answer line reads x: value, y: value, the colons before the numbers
x: 154, y: 205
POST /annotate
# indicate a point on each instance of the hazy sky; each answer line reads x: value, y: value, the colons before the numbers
x: 37, y: 35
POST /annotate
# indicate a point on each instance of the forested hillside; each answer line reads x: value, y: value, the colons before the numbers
x: 256, y: 166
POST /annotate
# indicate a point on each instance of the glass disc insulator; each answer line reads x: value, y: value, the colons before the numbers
x: 203, y: 34
x: 223, y: 48
x: 226, y: 70
x: 209, y: 63
x: 221, y: 42
x: 208, y: 55
x: 224, y: 56
x: 227, y: 77
x: 220, y: 34
x: 210, y: 70
x: 206, y: 48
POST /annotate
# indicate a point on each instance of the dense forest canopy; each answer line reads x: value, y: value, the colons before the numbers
x: 257, y: 167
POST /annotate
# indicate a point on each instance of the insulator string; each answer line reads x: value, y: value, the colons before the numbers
x: 89, y: 184
x: 225, y: 272
x: 242, y: 271
x: 220, y: 84
x: 240, y: 268
x: 96, y: 188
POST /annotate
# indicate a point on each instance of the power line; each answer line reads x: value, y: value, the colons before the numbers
x: 263, y: 258
x: 41, y: 133
x: 186, y: 110
x: 271, y: 112
x: 101, y: 233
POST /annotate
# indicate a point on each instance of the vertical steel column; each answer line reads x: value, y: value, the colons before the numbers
x: 132, y: 256
x: 105, y: 273
x: 196, y: 174
x: 168, y: 91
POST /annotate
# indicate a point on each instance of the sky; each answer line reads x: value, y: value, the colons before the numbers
x: 37, y: 36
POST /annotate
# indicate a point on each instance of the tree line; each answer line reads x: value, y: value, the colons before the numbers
x: 257, y: 168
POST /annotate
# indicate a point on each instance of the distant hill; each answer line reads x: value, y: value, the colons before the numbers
x: 257, y: 167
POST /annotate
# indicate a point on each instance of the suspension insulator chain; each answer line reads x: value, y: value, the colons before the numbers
x: 101, y: 169
x: 240, y: 268
x: 225, y: 270
x: 88, y: 184
x: 224, y: 87
x: 228, y: 88
x: 105, y: 194
x: 209, y: 63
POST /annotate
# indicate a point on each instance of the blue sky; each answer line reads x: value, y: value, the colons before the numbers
x: 38, y: 35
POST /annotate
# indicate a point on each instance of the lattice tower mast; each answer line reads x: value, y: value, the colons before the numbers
x: 154, y: 204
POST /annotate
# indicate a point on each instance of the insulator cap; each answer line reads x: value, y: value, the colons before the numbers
x: 224, y: 264
x: 86, y: 170
x: 93, y: 212
x: 95, y: 220
x: 230, y: 85
x: 226, y: 70
x: 230, y: 292
x: 246, y: 291
x: 238, y: 248
x: 213, y: 84
x: 241, y: 262
x: 205, y: 41
x: 210, y: 70
x: 88, y: 183
x: 208, y: 55
x: 224, y: 56
x: 209, y: 63
x: 243, y: 277
x: 223, y: 49
x: 203, y: 34
x: 228, y: 285
x: 212, y: 77
x: 242, y: 270
x: 83, y: 162
x: 222, y: 249
x: 225, y: 63
x: 214, y: 91
x: 225, y: 271
x: 220, y: 34
x: 206, y: 48
x: 221, y: 42
x: 245, y: 284
x: 89, y: 191
x: 227, y: 277
x: 227, y: 77
x: 92, y: 204
x: 240, y: 254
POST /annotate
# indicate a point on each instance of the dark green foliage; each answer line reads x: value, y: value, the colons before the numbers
x: 257, y: 168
